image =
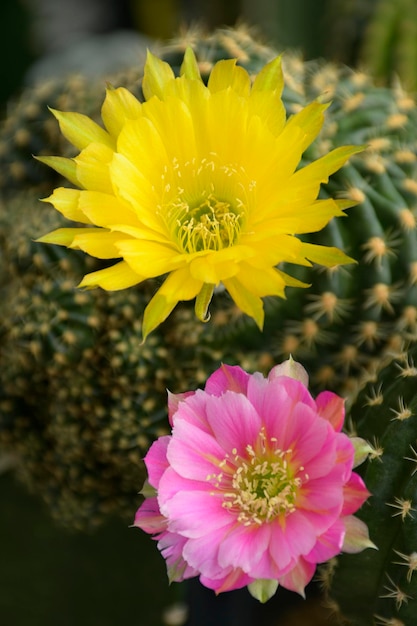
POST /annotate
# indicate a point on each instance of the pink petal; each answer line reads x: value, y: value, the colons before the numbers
x: 284, y: 418
x: 148, y: 517
x: 171, y: 546
x: 193, y: 410
x: 244, y: 547
x: 355, y: 494
x: 195, y: 514
x: 173, y: 402
x: 171, y: 482
x: 332, y: 408
x: 280, y: 549
x: 300, y: 534
x: 234, y: 421
x: 156, y: 460
x: 296, y: 390
x: 193, y: 453
x: 227, y: 377
x: 345, y: 454
x: 235, y: 579
x: 268, y: 395
x: 321, y: 495
x: 312, y: 441
x: 328, y: 544
x: 202, y: 554
x: 299, y: 577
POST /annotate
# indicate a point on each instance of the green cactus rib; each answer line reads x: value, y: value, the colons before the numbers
x: 380, y: 584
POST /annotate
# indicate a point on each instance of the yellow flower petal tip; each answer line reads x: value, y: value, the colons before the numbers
x: 200, y: 184
x: 202, y: 302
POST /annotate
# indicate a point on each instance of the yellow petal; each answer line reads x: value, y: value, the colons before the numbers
x: 149, y: 258
x: 178, y: 286
x: 138, y: 139
x: 155, y: 313
x: 189, y: 67
x: 202, y: 302
x: 309, y: 120
x: 203, y: 269
x: 175, y: 125
x: 307, y: 219
x: 193, y: 93
x: 140, y: 232
x: 66, y: 201
x: 325, y: 255
x: 105, y: 210
x: 157, y: 74
x: 118, y: 276
x: 321, y: 169
x: 214, y: 267
x: 290, y: 281
x: 227, y: 74
x: 62, y: 165
x: 81, y: 130
x: 245, y: 300
x: 265, y: 97
x: 99, y: 243
x: 270, y: 78
x: 269, y: 110
x: 270, y: 249
x: 119, y: 105
x: 265, y: 282
x: 92, y: 168
x: 227, y: 120
x: 64, y: 236
x: 130, y: 185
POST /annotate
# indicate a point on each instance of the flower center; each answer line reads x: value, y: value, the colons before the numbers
x: 262, y: 488
x: 204, y: 205
x: 211, y: 224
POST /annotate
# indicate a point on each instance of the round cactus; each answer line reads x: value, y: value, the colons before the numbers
x: 81, y: 397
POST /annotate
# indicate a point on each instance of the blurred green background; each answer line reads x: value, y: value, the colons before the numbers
x: 115, y: 576
x: 380, y: 33
x: 51, y: 576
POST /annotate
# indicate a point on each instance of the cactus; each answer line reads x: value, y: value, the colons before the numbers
x: 80, y: 432
x: 81, y: 398
x: 380, y: 586
x: 354, y: 314
x: 389, y: 48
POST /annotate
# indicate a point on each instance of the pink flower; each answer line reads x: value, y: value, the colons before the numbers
x: 255, y: 485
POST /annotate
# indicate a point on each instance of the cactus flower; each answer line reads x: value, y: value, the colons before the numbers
x: 199, y: 184
x: 254, y: 487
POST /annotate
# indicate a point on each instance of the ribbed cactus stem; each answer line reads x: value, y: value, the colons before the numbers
x: 380, y: 586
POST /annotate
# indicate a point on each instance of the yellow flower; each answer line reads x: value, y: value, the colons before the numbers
x: 198, y: 183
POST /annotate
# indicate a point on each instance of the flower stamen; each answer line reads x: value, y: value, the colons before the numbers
x: 207, y: 210
x: 262, y: 486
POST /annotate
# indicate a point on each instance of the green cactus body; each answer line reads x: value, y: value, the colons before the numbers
x: 80, y: 432
x: 351, y: 315
x: 390, y: 43
x: 81, y: 399
x: 376, y: 586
